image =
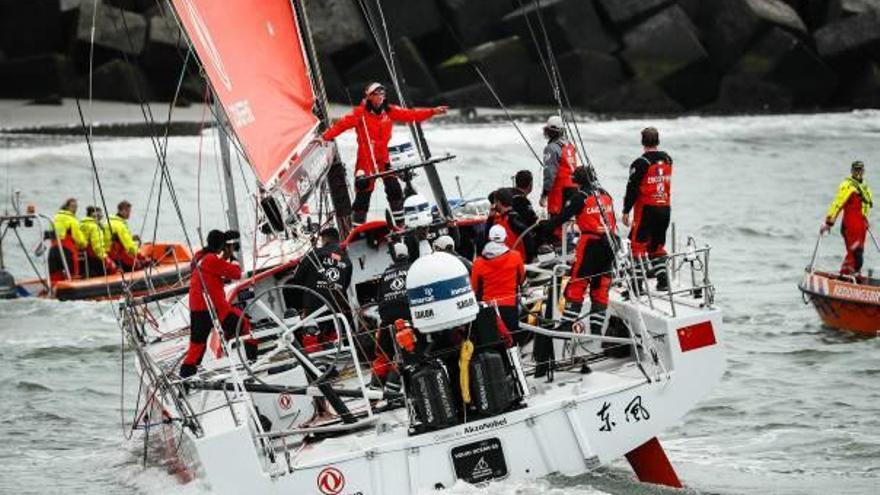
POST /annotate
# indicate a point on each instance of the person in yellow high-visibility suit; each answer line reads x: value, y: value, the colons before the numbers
x: 854, y: 199
x: 66, y: 241
x: 96, y: 261
x: 123, y: 248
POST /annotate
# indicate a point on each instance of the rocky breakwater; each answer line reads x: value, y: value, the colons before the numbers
x: 614, y: 56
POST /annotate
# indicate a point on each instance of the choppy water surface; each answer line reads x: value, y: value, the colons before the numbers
x: 796, y: 413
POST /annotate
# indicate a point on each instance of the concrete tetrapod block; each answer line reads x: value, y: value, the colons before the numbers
x: 118, y: 80
x: 782, y: 58
x: 30, y: 28
x: 864, y: 90
x: 662, y: 45
x: 623, y: 11
x: 335, y: 24
x: 500, y: 61
x: 636, y: 97
x: 163, y: 56
x: 586, y: 75
x: 856, y: 33
x: 37, y: 76
x: 411, y: 18
x: 115, y: 29
x: 474, y: 95
x: 730, y: 25
x: 743, y: 93
x: 570, y: 25
x: 476, y: 22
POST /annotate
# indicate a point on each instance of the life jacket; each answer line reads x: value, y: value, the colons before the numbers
x: 563, y: 181
x: 656, y: 186
x: 589, y: 221
x: 373, y: 129
x: 855, y: 199
x: 67, y: 232
x: 122, y: 246
x: 94, y: 235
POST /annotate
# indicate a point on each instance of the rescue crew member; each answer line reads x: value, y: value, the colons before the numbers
x: 560, y: 160
x: 373, y: 121
x: 854, y: 199
x: 327, y: 270
x: 496, y: 278
x: 393, y: 306
x: 508, y: 218
x: 67, y: 240
x: 213, y: 267
x: 593, y: 211
x: 96, y: 261
x: 648, y: 196
x: 123, y: 248
x: 446, y: 244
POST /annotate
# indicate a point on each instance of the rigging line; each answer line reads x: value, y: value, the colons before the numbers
x: 91, y: 77
x: 497, y: 98
x: 388, y: 60
x: 555, y: 66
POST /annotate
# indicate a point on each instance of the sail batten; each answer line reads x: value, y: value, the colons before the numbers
x: 252, y: 53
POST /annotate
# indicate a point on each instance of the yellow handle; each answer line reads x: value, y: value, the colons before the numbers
x: 464, y: 374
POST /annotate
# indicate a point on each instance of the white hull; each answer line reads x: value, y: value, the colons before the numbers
x: 570, y: 426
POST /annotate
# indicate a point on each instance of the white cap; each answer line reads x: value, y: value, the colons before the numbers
x: 373, y: 87
x: 399, y: 251
x: 443, y: 243
x: 497, y: 234
x: 555, y: 122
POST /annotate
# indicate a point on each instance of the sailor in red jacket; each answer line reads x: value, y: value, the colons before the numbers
x: 497, y: 276
x: 560, y: 160
x: 212, y: 268
x: 648, y: 195
x: 373, y: 121
x: 593, y: 210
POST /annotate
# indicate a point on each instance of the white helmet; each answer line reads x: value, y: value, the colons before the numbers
x: 444, y: 243
x: 399, y: 251
x: 497, y: 234
x: 417, y: 212
x: 555, y: 122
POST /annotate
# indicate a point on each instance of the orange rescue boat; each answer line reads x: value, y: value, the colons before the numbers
x: 844, y: 302
x: 167, y: 267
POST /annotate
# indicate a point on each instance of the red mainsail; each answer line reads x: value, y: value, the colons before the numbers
x: 253, y: 56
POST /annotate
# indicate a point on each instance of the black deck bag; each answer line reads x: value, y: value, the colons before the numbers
x: 432, y: 396
x: 492, y: 387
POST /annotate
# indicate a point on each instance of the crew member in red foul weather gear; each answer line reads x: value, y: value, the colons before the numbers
x: 212, y: 268
x: 507, y: 217
x: 648, y: 196
x: 593, y: 211
x: 497, y: 276
x: 854, y: 199
x: 560, y: 160
x: 373, y: 121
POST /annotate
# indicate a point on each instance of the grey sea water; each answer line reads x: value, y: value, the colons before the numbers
x: 798, y: 411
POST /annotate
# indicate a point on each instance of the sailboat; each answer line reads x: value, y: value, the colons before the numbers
x: 309, y: 421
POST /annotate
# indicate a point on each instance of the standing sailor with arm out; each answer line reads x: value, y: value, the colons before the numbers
x: 854, y: 199
x: 648, y: 196
x: 373, y: 121
x: 67, y: 240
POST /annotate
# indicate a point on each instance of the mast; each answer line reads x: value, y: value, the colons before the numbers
x: 231, y: 206
x: 336, y: 180
x: 415, y: 128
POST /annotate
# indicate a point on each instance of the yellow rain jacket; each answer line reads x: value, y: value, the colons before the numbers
x: 847, y: 188
x: 94, y: 234
x: 117, y: 231
x: 65, y: 224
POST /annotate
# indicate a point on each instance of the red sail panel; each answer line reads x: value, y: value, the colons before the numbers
x: 253, y: 56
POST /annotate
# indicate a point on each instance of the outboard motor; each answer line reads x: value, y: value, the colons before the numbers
x: 441, y: 299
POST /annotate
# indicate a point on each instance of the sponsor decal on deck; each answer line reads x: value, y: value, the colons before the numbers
x: 331, y: 481
x: 853, y: 293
